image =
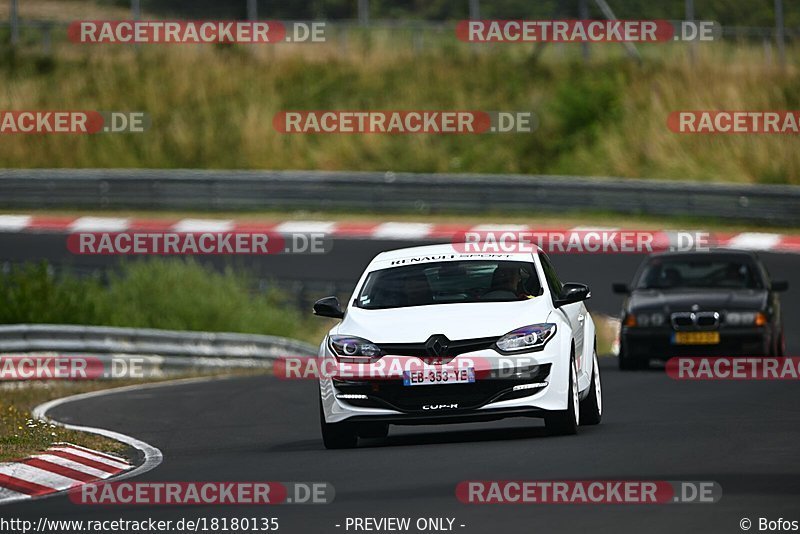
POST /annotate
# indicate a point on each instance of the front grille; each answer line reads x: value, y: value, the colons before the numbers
x: 432, y: 354
x: 682, y: 320
x: 705, y: 320
x: 394, y: 395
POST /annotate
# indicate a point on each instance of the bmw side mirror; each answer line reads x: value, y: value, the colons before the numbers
x: 621, y: 289
x: 328, y: 307
x: 571, y: 293
x: 780, y: 285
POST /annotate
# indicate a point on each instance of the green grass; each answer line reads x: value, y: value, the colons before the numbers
x: 21, y: 435
x: 212, y: 107
x: 159, y: 293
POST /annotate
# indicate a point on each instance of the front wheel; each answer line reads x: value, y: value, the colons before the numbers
x: 592, y: 405
x: 780, y: 346
x: 565, y: 422
x: 337, y: 435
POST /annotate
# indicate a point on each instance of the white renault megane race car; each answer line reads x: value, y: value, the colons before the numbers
x: 432, y: 335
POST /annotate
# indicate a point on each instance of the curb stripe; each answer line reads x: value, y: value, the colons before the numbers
x: 326, y: 227
x: 50, y: 223
x: 8, y: 495
x: 107, y: 456
x: 29, y: 473
x: 755, y: 241
x: 99, y: 224
x: 59, y: 469
x: 399, y: 230
x: 376, y: 230
x: 96, y: 473
x: 120, y: 464
x: 23, y: 486
x: 86, y: 461
x: 203, y: 225
x: 14, y: 223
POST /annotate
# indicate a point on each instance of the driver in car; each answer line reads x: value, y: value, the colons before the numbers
x: 505, y: 280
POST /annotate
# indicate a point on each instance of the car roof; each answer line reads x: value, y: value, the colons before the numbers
x: 718, y: 252
x: 444, y: 252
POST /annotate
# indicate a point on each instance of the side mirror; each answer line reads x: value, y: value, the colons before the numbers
x: 780, y: 285
x: 571, y: 293
x: 328, y: 307
x: 621, y: 289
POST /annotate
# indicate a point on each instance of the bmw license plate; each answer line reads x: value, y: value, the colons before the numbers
x: 695, y: 338
x: 431, y: 377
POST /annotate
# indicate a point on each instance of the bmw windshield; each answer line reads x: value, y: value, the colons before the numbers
x: 448, y: 283
x: 721, y: 273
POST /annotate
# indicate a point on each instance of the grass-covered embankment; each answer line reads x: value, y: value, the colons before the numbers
x: 168, y: 294
x: 212, y: 107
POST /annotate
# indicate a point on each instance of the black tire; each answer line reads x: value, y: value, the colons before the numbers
x: 592, y: 406
x: 565, y: 422
x: 780, y: 346
x: 337, y: 435
x: 373, y: 430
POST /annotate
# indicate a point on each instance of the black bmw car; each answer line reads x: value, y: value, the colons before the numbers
x: 719, y: 303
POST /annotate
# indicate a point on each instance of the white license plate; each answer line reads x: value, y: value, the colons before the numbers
x: 438, y: 377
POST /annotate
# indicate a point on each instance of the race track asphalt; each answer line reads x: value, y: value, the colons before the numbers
x: 743, y: 435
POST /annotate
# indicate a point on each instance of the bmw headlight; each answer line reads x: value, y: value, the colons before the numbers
x: 354, y: 349
x: 745, y: 319
x: 645, y: 319
x: 527, y: 338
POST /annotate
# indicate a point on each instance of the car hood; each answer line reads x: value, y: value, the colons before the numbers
x: 456, y: 321
x: 683, y: 299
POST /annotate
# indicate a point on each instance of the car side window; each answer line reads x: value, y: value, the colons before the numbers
x: 550, y: 274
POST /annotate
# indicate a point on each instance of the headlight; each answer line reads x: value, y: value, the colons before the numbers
x: 354, y: 349
x: 527, y: 338
x: 645, y: 319
x: 745, y: 319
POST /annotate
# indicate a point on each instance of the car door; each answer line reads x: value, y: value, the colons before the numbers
x: 575, y: 313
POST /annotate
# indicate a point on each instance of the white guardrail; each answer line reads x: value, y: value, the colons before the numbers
x: 156, y: 351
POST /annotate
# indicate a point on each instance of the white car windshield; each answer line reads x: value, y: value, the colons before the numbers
x: 449, y: 282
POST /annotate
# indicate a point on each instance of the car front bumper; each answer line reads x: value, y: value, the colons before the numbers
x: 656, y: 343
x: 491, y: 396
